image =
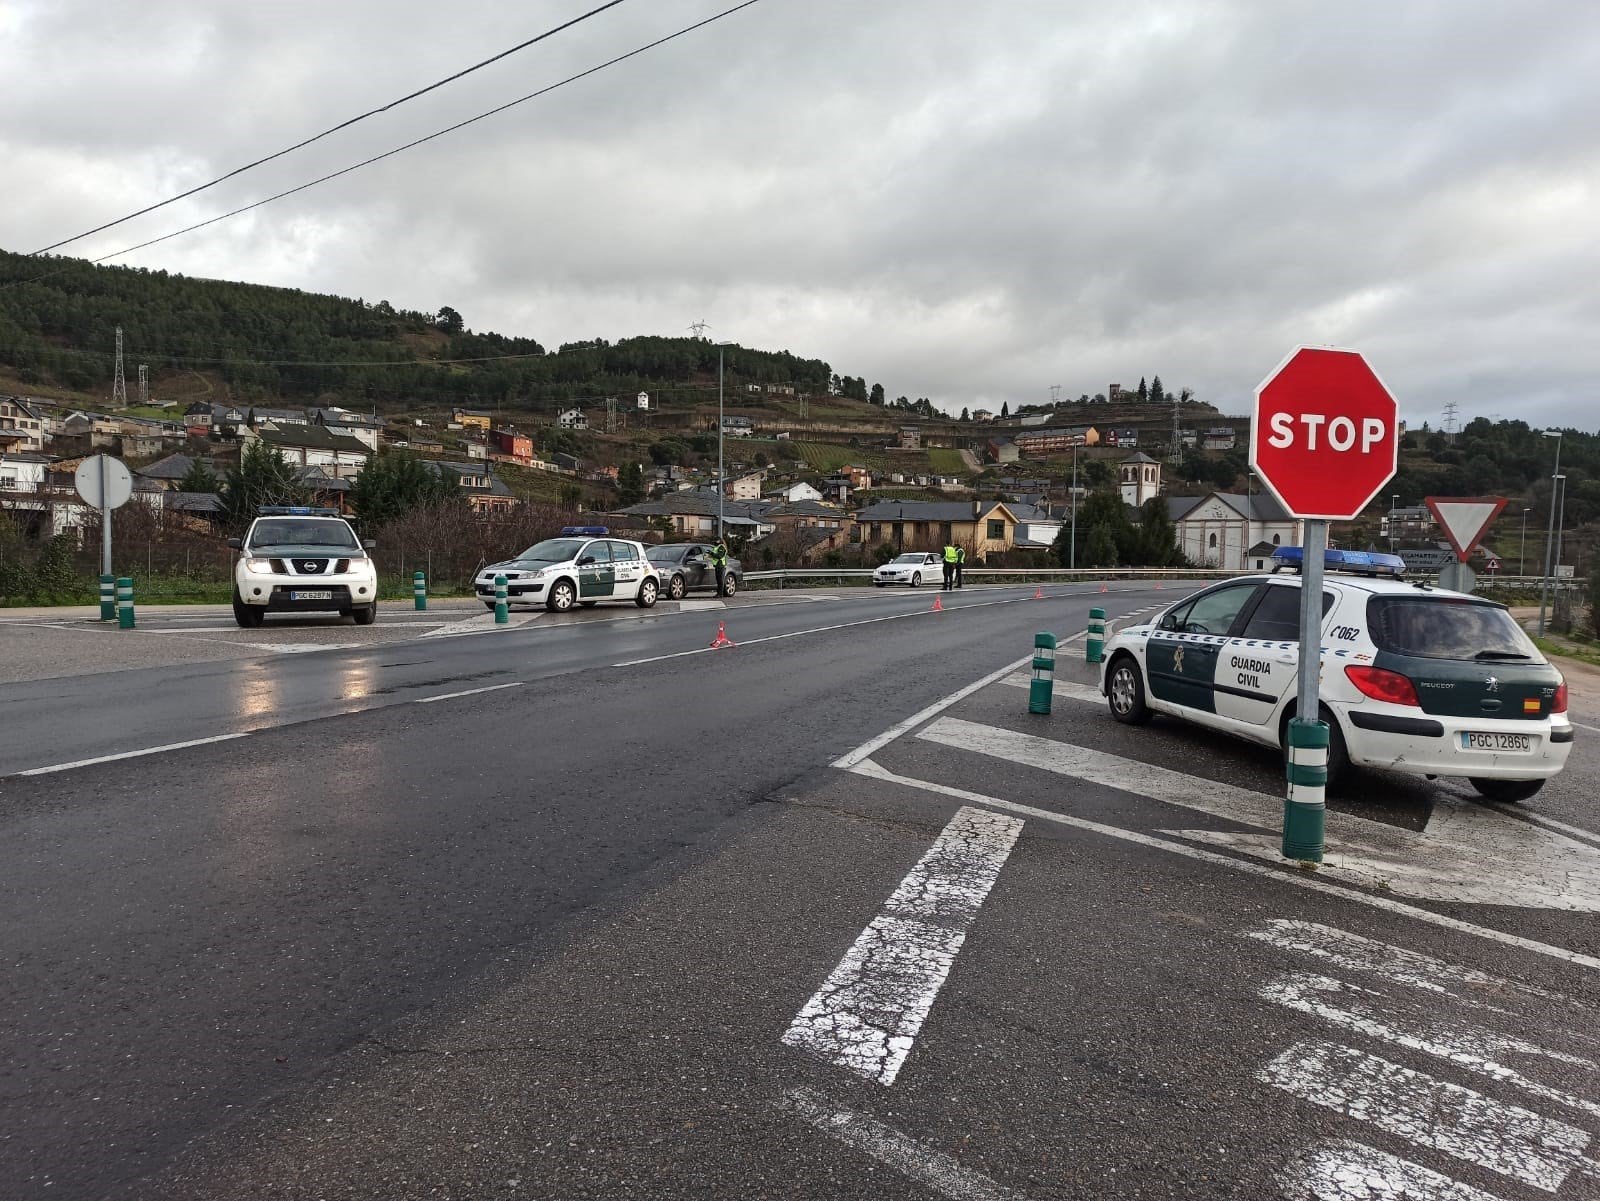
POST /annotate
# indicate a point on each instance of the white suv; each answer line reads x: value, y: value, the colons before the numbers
x: 582, y: 567
x: 301, y: 560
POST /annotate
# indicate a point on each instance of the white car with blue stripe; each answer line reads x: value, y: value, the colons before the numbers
x: 1414, y: 679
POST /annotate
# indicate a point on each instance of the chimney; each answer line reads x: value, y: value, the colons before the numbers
x: 977, y: 509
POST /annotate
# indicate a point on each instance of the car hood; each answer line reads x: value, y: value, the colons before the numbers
x: 293, y: 551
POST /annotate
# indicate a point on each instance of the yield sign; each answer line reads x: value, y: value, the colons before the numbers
x: 1464, y: 518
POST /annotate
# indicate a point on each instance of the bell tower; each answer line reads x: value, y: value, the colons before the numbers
x: 1140, y: 479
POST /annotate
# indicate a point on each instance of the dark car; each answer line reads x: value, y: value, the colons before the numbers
x: 683, y: 567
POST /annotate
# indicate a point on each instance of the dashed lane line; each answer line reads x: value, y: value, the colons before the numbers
x: 450, y: 696
x: 149, y: 750
x: 1284, y: 874
x: 867, y: 1014
x: 940, y: 1172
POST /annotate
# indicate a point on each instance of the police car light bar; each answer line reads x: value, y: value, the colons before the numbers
x: 1357, y: 562
x: 584, y: 531
x: 295, y: 511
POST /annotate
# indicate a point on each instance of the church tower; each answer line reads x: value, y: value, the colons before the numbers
x: 1141, y: 479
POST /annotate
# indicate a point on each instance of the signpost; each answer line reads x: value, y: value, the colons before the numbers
x: 1325, y: 439
x: 104, y: 483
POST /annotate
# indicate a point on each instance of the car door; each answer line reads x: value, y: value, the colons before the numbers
x: 1182, y: 653
x: 627, y: 568
x: 595, y: 578
x: 694, y: 567
x: 1260, y: 666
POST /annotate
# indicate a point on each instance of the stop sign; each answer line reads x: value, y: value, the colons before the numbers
x: 1324, y: 436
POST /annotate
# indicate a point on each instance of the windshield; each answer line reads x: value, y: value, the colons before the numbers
x: 552, y: 550
x: 910, y: 558
x: 1438, y: 628
x: 665, y: 554
x: 292, y: 531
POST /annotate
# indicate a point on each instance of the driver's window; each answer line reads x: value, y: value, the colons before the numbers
x: 1175, y: 618
x: 599, y: 551
x: 1214, y: 613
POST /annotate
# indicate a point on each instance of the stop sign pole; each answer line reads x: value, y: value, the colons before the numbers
x: 1325, y: 439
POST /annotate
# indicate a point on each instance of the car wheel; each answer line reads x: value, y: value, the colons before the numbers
x: 366, y: 614
x: 916, y: 579
x: 1338, y: 755
x: 730, y: 585
x: 249, y: 617
x: 677, y: 588
x: 562, y: 596
x: 1125, y: 689
x: 1505, y: 791
x: 879, y: 584
x: 648, y: 591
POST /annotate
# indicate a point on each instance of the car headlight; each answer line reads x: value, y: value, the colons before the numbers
x: 259, y: 566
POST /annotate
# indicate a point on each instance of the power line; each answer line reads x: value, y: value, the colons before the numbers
x: 549, y: 33
x: 412, y: 144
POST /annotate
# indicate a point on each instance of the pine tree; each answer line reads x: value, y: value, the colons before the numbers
x: 263, y: 477
x: 199, y: 478
x: 1144, y: 392
x: 1158, y: 394
x: 965, y: 416
x: 394, y: 482
x: 1005, y: 408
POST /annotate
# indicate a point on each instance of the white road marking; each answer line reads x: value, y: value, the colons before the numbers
x: 1507, y: 1139
x: 697, y: 606
x: 1064, y: 689
x: 1474, y: 1048
x: 299, y: 648
x: 1396, y: 964
x: 1549, y: 823
x: 1345, y: 1170
x: 484, y: 623
x: 1281, y: 874
x: 1468, y: 853
x: 1591, y: 729
x: 867, y: 1013
x: 940, y: 1172
x: 882, y: 740
x: 149, y: 750
x: 450, y: 696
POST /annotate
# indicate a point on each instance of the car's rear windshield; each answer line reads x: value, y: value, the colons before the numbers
x: 290, y: 531
x: 1436, y: 627
x: 552, y: 550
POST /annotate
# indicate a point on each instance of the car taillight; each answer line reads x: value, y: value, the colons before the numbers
x: 1559, y: 705
x: 1381, y: 685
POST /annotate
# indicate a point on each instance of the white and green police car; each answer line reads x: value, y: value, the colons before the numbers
x: 582, y: 567
x: 297, y: 559
x: 1414, y: 679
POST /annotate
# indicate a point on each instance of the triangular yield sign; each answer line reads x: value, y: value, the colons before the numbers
x: 1464, y: 518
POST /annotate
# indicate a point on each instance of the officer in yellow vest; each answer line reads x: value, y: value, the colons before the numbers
x: 961, y: 561
x: 951, y: 555
x: 719, y: 561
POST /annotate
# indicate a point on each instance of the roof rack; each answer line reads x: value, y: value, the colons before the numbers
x: 1352, y: 562
x: 296, y: 511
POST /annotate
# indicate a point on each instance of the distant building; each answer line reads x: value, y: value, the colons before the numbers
x: 1139, y: 479
x: 474, y: 419
x: 1000, y: 450
x: 983, y: 527
x: 1229, y: 530
x: 515, y: 446
x: 571, y: 419
x: 793, y: 493
x: 737, y: 427
x: 982, y: 415
x: 1038, y: 443
x: 21, y: 424
x: 744, y: 487
x: 910, y: 437
x: 1221, y: 437
x: 483, y: 490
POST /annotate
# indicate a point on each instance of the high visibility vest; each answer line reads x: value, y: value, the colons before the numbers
x: 950, y: 554
x: 961, y: 554
x: 719, y: 556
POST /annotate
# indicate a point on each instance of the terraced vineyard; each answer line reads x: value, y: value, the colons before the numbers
x: 947, y: 462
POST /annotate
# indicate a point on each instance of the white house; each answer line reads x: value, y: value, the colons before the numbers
x: 792, y: 493
x: 1232, y: 531
x: 339, y: 455
x: 572, y: 419
x: 22, y: 472
x: 745, y: 487
x: 22, y: 424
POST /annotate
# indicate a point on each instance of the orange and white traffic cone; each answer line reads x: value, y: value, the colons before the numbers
x: 938, y: 605
x: 1038, y: 594
x: 722, y: 639
x: 1159, y: 585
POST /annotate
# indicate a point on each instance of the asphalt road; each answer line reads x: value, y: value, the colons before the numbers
x: 587, y: 934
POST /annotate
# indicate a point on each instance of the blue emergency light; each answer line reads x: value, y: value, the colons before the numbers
x: 295, y: 511
x: 584, y: 531
x: 1357, y: 562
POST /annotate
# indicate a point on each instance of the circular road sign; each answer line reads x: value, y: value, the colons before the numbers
x: 1324, y: 436
x: 119, y: 484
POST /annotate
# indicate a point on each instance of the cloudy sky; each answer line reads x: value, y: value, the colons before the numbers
x: 966, y: 201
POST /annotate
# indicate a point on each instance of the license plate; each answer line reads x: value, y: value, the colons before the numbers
x: 316, y: 594
x: 1478, y: 740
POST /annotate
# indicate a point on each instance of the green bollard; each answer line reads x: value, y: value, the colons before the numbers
x: 419, y: 589
x: 1094, y: 646
x: 1304, y: 808
x: 108, y: 598
x: 125, y: 603
x: 502, y: 611
x: 1043, y: 683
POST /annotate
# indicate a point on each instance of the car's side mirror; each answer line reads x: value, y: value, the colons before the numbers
x: 236, y: 543
x: 586, y: 560
x: 368, y: 544
x: 1167, y: 623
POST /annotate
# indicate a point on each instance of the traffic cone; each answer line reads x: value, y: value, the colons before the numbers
x: 722, y: 639
x: 1103, y: 588
x: 938, y: 605
x: 1159, y: 585
x: 1038, y: 594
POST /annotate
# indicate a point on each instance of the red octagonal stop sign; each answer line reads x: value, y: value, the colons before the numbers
x: 1324, y: 436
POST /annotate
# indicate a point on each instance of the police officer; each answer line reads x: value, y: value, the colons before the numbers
x: 719, y: 561
x: 950, y: 555
x: 961, y: 561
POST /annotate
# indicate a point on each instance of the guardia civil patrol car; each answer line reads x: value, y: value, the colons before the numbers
x: 298, y: 559
x: 1414, y: 679
x: 582, y: 567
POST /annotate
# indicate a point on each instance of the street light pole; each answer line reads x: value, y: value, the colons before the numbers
x: 1549, y: 536
x: 1072, y: 545
x: 1522, y: 547
x: 722, y: 484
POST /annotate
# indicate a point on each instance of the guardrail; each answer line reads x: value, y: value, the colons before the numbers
x: 781, y: 576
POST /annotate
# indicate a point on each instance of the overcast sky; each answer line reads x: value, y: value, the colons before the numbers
x: 966, y: 201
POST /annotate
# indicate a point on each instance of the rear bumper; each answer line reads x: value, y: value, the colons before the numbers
x: 1382, y: 737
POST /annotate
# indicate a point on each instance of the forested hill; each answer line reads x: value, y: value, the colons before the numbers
x: 58, y: 318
